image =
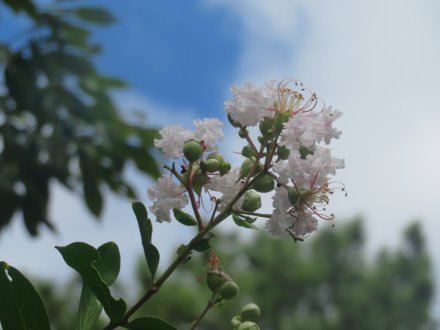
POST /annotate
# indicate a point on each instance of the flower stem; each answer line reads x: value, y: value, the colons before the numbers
x: 209, y: 305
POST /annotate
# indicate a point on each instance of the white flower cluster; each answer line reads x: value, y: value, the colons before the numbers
x: 208, y: 131
x: 292, y: 153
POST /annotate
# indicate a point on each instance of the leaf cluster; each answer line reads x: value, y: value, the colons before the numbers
x: 58, y: 122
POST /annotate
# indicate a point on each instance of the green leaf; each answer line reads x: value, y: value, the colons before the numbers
x: 245, y: 222
x: 146, y: 230
x: 150, y: 323
x: 95, y: 15
x: 184, y: 218
x: 83, y: 258
x: 204, y: 245
x: 20, y: 304
x: 108, y: 266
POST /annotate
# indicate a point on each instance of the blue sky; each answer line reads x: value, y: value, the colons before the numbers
x: 379, y: 67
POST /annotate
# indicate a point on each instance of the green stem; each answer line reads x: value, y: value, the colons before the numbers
x: 209, y: 305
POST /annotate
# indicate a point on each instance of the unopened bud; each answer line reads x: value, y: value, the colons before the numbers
x: 280, y: 119
x: 266, y: 128
x: 215, y: 155
x: 192, y: 150
x: 250, y: 312
x: 215, y: 279
x: 283, y: 152
x: 225, y: 167
x: 248, y: 152
x: 229, y: 290
x: 211, y: 165
x: 251, y: 202
x: 248, y: 326
x: 236, y: 321
x: 246, y: 167
x: 264, y: 184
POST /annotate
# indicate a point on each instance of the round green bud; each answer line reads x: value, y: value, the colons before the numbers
x: 264, y: 184
x: 250, y: 312
x: 233, y: 122
x: 215, y: 155
x: 225, y: 167
x: 246, y: 167
x: 261, y: 139
x: 294, y: 195
x: 236, y: 321
x: 247, y: 151
x: 266, y: 128
x: 251, y: 202
x: 228, y: 290
x: 280, y: 119
x: 211, y: 165
x: 215, y: 279
x: 192, y: 150
x: 248, y: 326
x: 243, y: 133
x: 283, y: 152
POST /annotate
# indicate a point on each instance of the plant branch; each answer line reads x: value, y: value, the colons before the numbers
x: 209, y: 305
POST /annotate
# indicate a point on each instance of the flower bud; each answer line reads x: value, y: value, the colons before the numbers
x: 248, y: 152
x: 246, y: 167
x: 251, y: 202
x: 225, y: 167
x: 264, y: 184
x: 293, y: 195
x: 248, y: 326
x: 229, y: 290
x: 283, y: 152
x: 236, y: 321
x: 280, y: 119
x: 215, y: 279
x: 215, y: 155
x: 250, y: 312
x: 242, y: 133
x: 266, y: 128
x: 192, y: 150
x: 211, y: 165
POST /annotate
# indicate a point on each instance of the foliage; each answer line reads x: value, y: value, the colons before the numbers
x: 57, y: 118
x: 330, y: 284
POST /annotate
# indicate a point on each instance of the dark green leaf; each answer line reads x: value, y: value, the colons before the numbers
x: 245, y: 222
x: 109, y: 262
x: 184, y: 218
x: 83, y: 258
x: 146, y: 230
x: 108, y: 266
x: 26, y: 5
x: 89, y: 309
x: 95, y: 15
x: 150, y: 323
x: 204, y: 245
x: 20, y: 305
x: 145, y: 225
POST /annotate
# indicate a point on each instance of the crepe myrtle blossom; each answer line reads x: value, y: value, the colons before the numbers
x: 291, y: 152
x: 172, y: 138
x: 166, y: 195
x: 251, y: 104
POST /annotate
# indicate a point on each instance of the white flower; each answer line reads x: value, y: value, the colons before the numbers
x: 209, y: 130
x: 250, y: 103
x: 228, y: 185
x: 311, y: 172
x: 166, y: 195
x: 286, y: 221
x: 172, y: 140
x: 308, y: 129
